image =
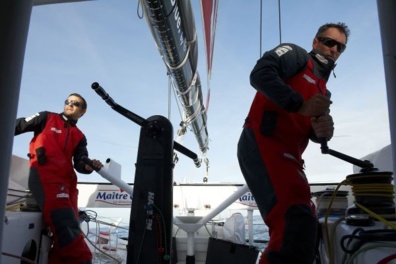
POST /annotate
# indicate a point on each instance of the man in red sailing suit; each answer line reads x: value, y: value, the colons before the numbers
x: 52, y: 179
x: 290, y: 107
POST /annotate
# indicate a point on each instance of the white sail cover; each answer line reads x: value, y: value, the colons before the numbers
x: 382, y: 159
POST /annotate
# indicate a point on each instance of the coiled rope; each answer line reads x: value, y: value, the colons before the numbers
x: 359, y: 190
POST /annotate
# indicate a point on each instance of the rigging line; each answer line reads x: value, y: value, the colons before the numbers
x: 280, y: 22
x: 169, y: 96
x: 140, y: 4
x: 261, y: 25
x: 177, y: 101
x: 181, y: 126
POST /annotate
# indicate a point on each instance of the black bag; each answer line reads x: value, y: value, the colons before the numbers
x: 221, y: 251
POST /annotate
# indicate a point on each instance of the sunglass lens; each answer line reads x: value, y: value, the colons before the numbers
x: 341, y: 47
x: 73, y: 102
x: 331, y: 43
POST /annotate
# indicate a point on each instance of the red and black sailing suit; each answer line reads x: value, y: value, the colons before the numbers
x: 271, y: 146
x: 53, y: 182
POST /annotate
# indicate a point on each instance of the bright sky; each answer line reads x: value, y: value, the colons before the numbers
x: 70, y: 46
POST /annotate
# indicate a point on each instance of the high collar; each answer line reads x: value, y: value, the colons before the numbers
x: 68, y: 120
x: 326, y: 64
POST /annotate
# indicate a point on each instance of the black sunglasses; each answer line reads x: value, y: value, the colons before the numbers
x: 329, y: 42
x: 73, y: 103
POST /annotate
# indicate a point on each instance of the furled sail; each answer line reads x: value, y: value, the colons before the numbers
x: 173, y: 28
x: 209, y: 18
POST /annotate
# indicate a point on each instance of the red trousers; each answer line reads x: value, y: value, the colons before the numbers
x: 58, y: 202
x: 61, y: 215
x: 282, y: 193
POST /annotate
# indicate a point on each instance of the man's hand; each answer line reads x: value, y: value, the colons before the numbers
x: 323, y: 126
x: 317, y: 105
x: 95, y: 163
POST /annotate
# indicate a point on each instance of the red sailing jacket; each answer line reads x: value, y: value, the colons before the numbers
x: 56, y: 143
x: 289, y: 129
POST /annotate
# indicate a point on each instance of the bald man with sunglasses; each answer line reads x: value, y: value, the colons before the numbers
x: 55, y: 152
x: 291, y: 107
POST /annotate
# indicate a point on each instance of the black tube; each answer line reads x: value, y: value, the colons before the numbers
x: 365, y: 164
x: 102, y: 93
x: 140, y: 121
x: 360, y: 163
x: 188, y: 153
x: 123, y: 111
x: 323, y: 146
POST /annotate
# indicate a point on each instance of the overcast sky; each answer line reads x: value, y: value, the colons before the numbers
x: 70, y: 46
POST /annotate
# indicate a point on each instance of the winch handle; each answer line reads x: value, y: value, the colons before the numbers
x: 323, y: 145
x: 364, y: 164
x: 140, y: 121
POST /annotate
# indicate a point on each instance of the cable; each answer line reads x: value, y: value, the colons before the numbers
x: 376, y: 216
x: 141, y: 246
x: 24, y: 260
x: 166, y: 253
x: 384, y: 190
x: 280, y: 22
x: 350, y: 237
x: 365, y: 249
x: 91, y: 216
x: 207, y: 230
x: 20, y: 199
x: 328, y: 211
x: 142, y: 9
x: 100, y: 250
x: 169, y: 96
x: 14, y: 207
x: 387, y: 259
x: 373, y: 189
x: 358, y: 190
x: 360, y: 237
x: 261, y: 25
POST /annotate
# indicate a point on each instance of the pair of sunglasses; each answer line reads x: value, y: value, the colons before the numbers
x: 329, y: 42
x: 73, y: 103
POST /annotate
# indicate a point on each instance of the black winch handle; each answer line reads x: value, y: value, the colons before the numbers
x: 140, y: 121
x: 118, y: 108
x: 323, y: 145
x: 364, y: 164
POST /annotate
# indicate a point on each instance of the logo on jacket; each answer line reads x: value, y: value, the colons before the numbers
x: 309, y: 79
x: 27, y: 119
x: 56, y: 130
x: 282, y: 50
x: 322, y: 59
x: 62, y: 195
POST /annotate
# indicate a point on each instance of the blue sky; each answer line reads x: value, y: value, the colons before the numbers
x: 72, y: 45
